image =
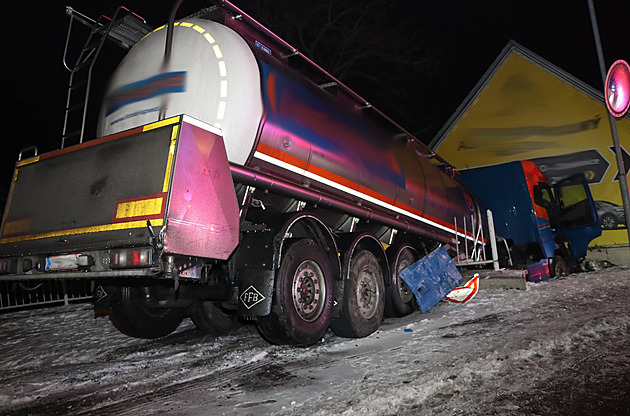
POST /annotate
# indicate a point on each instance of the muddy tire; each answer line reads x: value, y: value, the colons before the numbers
x: 213, y: 320
x: 303, y: 297
x: 363, y: 298
x: 559, y: 267
x: 130, y: 315
x: 399, y: 299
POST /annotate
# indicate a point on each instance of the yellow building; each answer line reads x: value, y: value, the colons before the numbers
x: 525, y: 108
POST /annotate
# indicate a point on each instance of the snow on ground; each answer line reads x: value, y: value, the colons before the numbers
x: 561, y: 347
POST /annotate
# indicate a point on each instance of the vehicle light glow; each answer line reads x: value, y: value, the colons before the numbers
x: 132, y: 257
x: 4, y: 266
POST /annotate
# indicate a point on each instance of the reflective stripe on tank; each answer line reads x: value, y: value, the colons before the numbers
x: 263, y: 153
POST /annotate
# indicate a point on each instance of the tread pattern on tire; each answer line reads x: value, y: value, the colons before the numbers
x: 128, y: 314
x: 351, y: 323
x: 284, y: 325
x: 394, y: 306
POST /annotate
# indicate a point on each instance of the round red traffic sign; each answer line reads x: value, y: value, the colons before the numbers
x: 617, y: 92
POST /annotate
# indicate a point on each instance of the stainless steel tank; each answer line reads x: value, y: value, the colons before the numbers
x: 277, y: 121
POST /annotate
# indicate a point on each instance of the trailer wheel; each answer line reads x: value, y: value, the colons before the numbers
x: 130, y: 315
x: 559, y: 267
x: 303, y: 297
x: 399, y: 299
x: 363, y: 298
x: 213, y: 320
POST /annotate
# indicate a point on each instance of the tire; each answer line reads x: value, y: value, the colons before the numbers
x: 399, y: 300
x: 213, y: 320
x: 559, y: 267
x: 608, y: 221
x: 128, y: 313
x: 363, y: 298
x: 303, y: 297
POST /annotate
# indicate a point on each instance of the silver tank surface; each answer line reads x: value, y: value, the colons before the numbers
x: 211, y: 75
x: 277, y: 121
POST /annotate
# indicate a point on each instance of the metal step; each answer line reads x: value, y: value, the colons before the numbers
x: 71, y: 135
x: 76, y: 106
x: 79, y: 84
x: 128, y: 30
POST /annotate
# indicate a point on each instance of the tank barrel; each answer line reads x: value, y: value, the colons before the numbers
x: 262, y: 181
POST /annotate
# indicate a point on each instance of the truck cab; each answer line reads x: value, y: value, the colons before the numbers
x: 572, y: 212
x: 546, y: 227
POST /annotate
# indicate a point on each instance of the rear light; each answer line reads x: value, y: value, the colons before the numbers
x: 8, y: 266
x: 5, y: 264
x: 131, y: 257
x: 538, y: 272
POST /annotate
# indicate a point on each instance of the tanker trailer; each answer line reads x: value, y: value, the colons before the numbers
x: 319, y: 183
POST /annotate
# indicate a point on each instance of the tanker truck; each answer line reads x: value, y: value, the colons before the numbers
x: 232, y: 178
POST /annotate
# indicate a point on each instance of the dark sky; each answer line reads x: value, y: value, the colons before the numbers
x: 467, y: 35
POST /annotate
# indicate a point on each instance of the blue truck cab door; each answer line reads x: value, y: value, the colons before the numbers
x: 576, y: 215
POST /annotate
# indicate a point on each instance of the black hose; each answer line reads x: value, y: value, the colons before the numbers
x: 169, y: 31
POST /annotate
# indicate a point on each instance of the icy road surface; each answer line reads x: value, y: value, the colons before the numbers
x: 562, y: 347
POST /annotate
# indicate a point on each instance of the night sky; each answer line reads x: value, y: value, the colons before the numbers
x: 463, y: 37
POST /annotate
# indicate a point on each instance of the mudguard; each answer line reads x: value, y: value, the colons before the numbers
x: 259, y: 254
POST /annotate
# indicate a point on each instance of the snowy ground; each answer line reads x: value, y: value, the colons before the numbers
x: 561, y: 347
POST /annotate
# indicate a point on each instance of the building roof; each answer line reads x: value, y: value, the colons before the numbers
x: 512, y: 47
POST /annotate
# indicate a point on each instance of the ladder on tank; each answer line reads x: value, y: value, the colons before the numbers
x: 125, y: 29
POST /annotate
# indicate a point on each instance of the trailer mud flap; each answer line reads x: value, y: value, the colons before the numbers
x: 253, y: 267
x: 432, y: 278
x: 256, y: 292
x: 101, y: 301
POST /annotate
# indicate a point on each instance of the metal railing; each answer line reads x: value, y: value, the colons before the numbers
x: 16, y: 294
x: 476, y: 251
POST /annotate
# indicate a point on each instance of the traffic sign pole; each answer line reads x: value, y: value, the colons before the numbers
x: 623, y: 179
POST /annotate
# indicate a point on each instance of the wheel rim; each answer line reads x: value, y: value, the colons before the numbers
x: 607, y: 221
x: 405, y: 294
x: 367, y: 294
x: 309, y: 290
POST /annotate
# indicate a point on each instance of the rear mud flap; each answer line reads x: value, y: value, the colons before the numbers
x: 101, y: 301
x: 255, y: 292
x: 253, y: 267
